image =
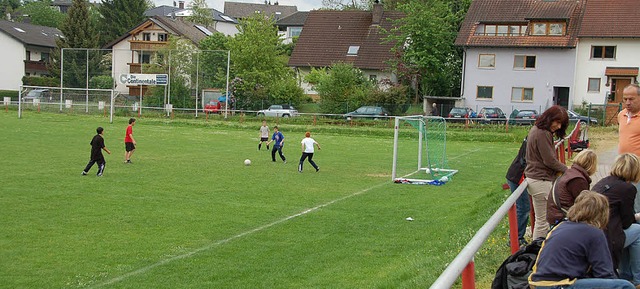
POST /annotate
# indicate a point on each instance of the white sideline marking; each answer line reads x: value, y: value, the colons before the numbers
x: 207, y: 247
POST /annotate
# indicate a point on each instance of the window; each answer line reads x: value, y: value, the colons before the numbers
x: 594, y: 85
x: 28, y: 56
x: 548, y: 28
x: 146, y: 36
x: 145, y: 57
x: 603, y: 52
x: 353, y: 50
x: 487, y: 61
x: 524, y: 62
x: 295, y: 31
x: 485, y: 92
x: 521, y: 94
x: 44, y: 57
x: 501, y: 30
x: 163, y: 37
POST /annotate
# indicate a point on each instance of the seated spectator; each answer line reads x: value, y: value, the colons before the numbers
x: 574, y: 254
x: 566, y: 188
x: 623, y: 234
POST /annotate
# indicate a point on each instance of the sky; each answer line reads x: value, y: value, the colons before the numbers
x: 303, y: 5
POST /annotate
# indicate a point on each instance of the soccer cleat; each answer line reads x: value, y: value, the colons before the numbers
x: 317, y: 169
x: 84, y: 173
x: 267, y: 147
x: 99, y: 175
x: 129, y: 162
x: 284, y: 162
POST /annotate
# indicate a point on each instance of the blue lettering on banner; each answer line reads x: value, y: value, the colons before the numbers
x: 162, y: 79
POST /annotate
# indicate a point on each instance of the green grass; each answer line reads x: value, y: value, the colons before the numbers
x: 188, y: 214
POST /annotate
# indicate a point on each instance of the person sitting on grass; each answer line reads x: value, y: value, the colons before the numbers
x: 575, y: 254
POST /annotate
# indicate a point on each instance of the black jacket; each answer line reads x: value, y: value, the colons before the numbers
x: 516, y: 169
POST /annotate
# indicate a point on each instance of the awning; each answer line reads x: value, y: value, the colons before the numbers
x: 621, y: 71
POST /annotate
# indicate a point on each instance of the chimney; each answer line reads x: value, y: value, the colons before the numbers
x: 181, y: 4
x: 377, y: 13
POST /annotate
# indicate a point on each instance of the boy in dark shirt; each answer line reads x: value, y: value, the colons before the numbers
x: 97, y: 145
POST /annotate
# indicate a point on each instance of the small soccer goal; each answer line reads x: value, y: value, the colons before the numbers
x: 419, y: 151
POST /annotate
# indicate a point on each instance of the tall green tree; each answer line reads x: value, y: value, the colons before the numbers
x: 427, y: 59
x: 120, y: 16
x: 214, y: 55
x: 201, y: 14
x: 7, y: 7
x: 341, y: 87
x: 78, y: 33
x: 40, y: 13
x: 259, y: 60
x: 347, y: 4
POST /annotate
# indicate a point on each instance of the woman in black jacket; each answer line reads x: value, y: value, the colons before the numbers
x: 623, y: 234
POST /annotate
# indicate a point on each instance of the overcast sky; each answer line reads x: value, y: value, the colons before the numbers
x: 303, y: 5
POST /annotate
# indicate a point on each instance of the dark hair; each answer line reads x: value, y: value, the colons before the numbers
x: 275, y: 127
x: 554, y: 113
x: 99, y: 130
x: 132, y: 120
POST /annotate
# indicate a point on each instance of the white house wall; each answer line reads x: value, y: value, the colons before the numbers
x: 120, y: 57
x: 554, y: 68
x: 627, y: 55
x: 12, y: 59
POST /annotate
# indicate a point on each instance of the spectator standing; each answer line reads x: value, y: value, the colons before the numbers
x: 307, y: 151
x: 434, y: 110
x: 623, y: 234
x: 566, y: 188
x: 629, y: 127
x: 542, y: 162
x: 515, y: 176
x: 574, y: 254
x: 278, y: 140
x: 97, y: 146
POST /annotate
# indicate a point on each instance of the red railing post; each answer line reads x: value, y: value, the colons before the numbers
x: 468, y: 276
x: 513, y: 229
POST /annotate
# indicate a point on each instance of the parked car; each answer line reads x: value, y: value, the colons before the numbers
x: 459, y: 113
x: 279, y: 110
x: 374, y: 112
x: 526, y: 117
x: 40, y: 94
x: 212, y: 107
x: 575, y: 117
x: 491, y: 114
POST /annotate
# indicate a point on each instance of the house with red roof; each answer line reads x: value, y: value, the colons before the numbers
x: 608, y: 52
x: 355, y: 37
x: 519, y: 54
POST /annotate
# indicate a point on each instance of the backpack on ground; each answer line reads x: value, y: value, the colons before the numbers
x: 515, y: 270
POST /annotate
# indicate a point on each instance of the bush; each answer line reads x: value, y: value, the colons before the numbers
x: 9, y: 93
x: 41, y: 81
x: 101, y: 82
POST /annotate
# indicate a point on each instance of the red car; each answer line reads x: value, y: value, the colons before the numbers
x: 212, y: 107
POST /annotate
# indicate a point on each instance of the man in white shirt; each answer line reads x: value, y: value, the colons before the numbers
x: 307, y: 151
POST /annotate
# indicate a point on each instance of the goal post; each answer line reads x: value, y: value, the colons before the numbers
x: 424, y: 161
x: 66, y: 100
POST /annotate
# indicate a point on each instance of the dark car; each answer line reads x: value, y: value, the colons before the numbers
x: 575, y: 117
x: 491, y: 114
x: 460, y: 113
x: 526, y: 117
x: 368, y: 111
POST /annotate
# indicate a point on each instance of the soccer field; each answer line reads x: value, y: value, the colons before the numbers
x: 188, y: 214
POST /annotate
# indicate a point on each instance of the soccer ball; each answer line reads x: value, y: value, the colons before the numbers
x: 247, y: 162
x: 444, y: 179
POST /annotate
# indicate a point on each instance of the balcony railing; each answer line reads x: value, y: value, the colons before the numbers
x: 147, y: 45
x: 35, y: 65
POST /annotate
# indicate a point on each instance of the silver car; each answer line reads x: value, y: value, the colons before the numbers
x: 279, y: 110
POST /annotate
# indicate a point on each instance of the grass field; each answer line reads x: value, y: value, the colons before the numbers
x: 188, y: 214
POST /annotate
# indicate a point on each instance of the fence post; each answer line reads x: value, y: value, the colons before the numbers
x: 513, y: 229
x: 468, y: 276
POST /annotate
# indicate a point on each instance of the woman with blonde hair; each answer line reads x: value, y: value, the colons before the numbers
x: 574, y: 255
x: 623, y: 233
x: 542, y: 162
x: 566, y: 188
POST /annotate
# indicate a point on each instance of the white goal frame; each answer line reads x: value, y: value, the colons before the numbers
x: 447, y: 173
x: 61, y: 100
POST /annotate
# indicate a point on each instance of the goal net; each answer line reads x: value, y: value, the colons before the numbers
x: 419, y: 151
x: 66, y: 100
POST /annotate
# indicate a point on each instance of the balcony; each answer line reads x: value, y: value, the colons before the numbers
x: 135, y: 67
x: 39, y: 66
x: 147, y: 45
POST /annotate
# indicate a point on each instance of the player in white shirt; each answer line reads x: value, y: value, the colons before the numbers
x: 264, y: 135
x: 307, y: 151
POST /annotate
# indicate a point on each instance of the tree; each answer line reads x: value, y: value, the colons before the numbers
x: 427, y: 58
x: 7, y: 7
x: 40, y: 13
x: 201, y: 14
x: 259, y: 59
x: 347, y: 4
x: 120, y: 16
x: 78, y: 33
x: 341, y: 87
x: 214, y: 54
